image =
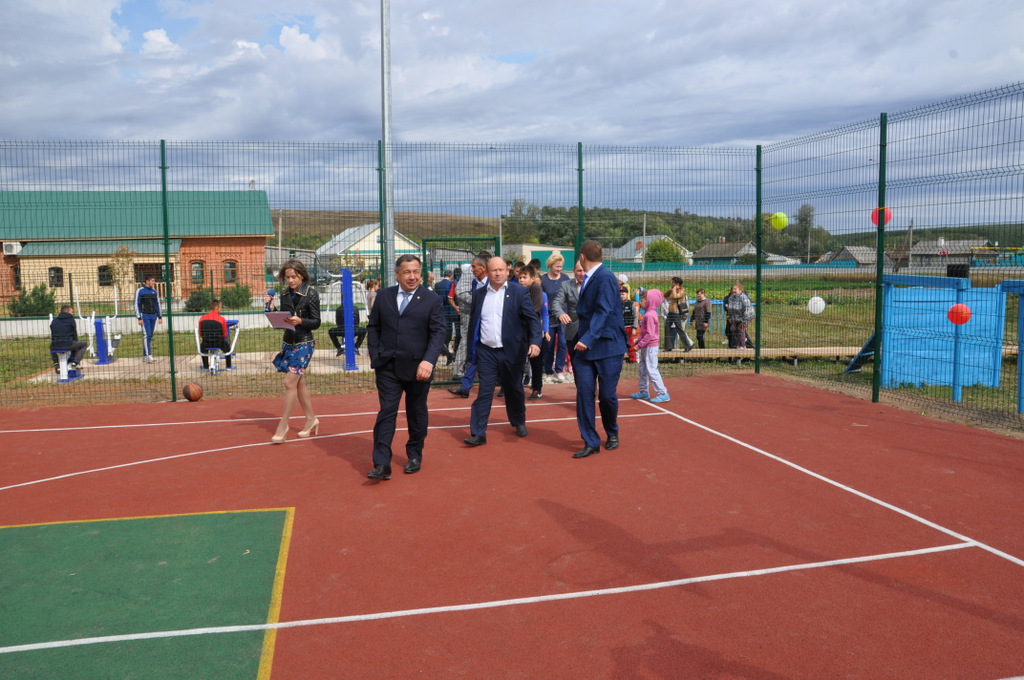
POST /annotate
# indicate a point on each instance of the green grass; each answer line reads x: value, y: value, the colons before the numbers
x: 848, y: 321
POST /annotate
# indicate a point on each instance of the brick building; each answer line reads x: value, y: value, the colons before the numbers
x: 96, y: 240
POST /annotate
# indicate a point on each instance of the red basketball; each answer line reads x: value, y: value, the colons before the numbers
x: 959, y: 314
x: 192, y: 391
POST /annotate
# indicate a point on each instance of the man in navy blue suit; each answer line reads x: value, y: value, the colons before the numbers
x: 504, y: 330
x: 405, y: 335
x: 599, y: 351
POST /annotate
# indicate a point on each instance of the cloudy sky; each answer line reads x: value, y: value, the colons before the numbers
x: 661, y: 72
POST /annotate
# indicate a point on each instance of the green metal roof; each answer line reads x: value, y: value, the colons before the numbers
x: 50, y: 248
x: 53, y: 215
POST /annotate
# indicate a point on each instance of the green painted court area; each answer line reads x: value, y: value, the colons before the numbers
x: 69, y: 581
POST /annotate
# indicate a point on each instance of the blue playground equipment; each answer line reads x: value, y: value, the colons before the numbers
x: 63, y: 359
x: 105, y: 343
x: 208, y: 344
x: 921, y: 346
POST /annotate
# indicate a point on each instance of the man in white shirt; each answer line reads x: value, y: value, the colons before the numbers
x: 504, y: 330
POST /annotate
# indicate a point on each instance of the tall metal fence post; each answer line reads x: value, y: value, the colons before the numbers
x: 876, y: 382
x: 579, y: 199
x: 380, y: 211
x: 757, y: 281
x: 168, y: 279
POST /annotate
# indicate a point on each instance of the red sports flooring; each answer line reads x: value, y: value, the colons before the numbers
x: 750, y: 528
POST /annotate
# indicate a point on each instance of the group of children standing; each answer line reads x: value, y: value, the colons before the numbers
x: 643, y: 334
x: 647, y: 343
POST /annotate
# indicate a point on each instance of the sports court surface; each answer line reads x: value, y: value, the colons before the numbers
x: 750, y: 528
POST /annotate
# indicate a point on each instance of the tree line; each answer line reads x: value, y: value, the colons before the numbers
x: 613, y: 227
x: 802, y: 239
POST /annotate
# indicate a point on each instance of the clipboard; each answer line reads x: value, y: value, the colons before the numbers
x: 277, y: 320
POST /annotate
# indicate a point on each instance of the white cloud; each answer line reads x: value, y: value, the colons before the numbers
x: 157, y: 44
x: 602, y: 71
x: 299, y: 44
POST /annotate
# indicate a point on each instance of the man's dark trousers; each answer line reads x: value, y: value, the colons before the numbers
x: 494, y: 367
x: 606, y: 371
x: 389, y: 393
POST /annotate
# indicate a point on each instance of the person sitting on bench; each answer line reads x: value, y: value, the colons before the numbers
x: 64, y: 338
x: 213, y: 329
x: 337, y: 334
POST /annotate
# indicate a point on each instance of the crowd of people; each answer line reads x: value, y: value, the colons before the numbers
x: 499, y: 325
x: 510, y: 328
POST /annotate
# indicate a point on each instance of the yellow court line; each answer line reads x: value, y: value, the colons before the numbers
x: 270, y: 636
x: 125, y: 519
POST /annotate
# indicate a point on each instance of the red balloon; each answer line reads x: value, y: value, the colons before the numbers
x: 959, y: 314
x: 874, y: 216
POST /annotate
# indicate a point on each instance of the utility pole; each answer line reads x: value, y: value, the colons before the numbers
x: 809, y: 228
x: 910, y: 242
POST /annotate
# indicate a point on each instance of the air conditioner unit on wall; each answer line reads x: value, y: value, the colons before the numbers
x: 12, y: 247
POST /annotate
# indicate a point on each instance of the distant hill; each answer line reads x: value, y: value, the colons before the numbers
x: 312, y: 228
x: 304, y: 227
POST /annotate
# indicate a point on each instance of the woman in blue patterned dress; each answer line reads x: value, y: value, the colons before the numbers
x: 299, y: 298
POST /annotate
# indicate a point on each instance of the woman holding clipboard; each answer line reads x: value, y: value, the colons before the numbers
x: 302, y: 302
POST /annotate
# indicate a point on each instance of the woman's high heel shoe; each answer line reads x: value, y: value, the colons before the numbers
x: 313, y: 429
x: 279, y: 438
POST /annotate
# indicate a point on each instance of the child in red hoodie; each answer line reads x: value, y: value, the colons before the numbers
x: 647, y: 343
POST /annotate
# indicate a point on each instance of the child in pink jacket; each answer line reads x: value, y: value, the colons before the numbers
x: 647, y: 343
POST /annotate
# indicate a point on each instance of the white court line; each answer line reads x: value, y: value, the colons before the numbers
x: 478, y: 605
x: 237, y: 420
x: 966, y: 543
x: 266, y: 443
x: 848, y: 489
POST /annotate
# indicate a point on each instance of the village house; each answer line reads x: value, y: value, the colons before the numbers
x: 83, y: 244
x: 723, y: 253
x: 635, y: 250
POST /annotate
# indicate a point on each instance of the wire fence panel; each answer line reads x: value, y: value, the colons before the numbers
x: 954, y: 186
x: 955, y: 183
x: 817, y: 190
x: 85, y: 223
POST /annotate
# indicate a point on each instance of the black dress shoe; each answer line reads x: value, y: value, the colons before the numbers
x: 412, y: 466
x: 521, y: 430
x: 475, y: 440
x: 587, y: 451
x: 612, y: 443
x: 501, y: 393
x: 380, y: 472
x: 458, y: 391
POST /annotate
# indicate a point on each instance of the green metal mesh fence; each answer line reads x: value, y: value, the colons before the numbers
x: 85, y: 223
x: 952, y: 178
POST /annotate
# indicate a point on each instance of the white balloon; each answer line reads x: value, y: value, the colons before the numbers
x: 815, y: 305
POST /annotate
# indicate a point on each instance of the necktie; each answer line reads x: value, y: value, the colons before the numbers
x: 405, y: 302
x: 584, y: 284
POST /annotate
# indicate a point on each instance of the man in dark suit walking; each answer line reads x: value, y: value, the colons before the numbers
x: 504, y: 330
x: 405, y: 335
x: 599, y: 351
